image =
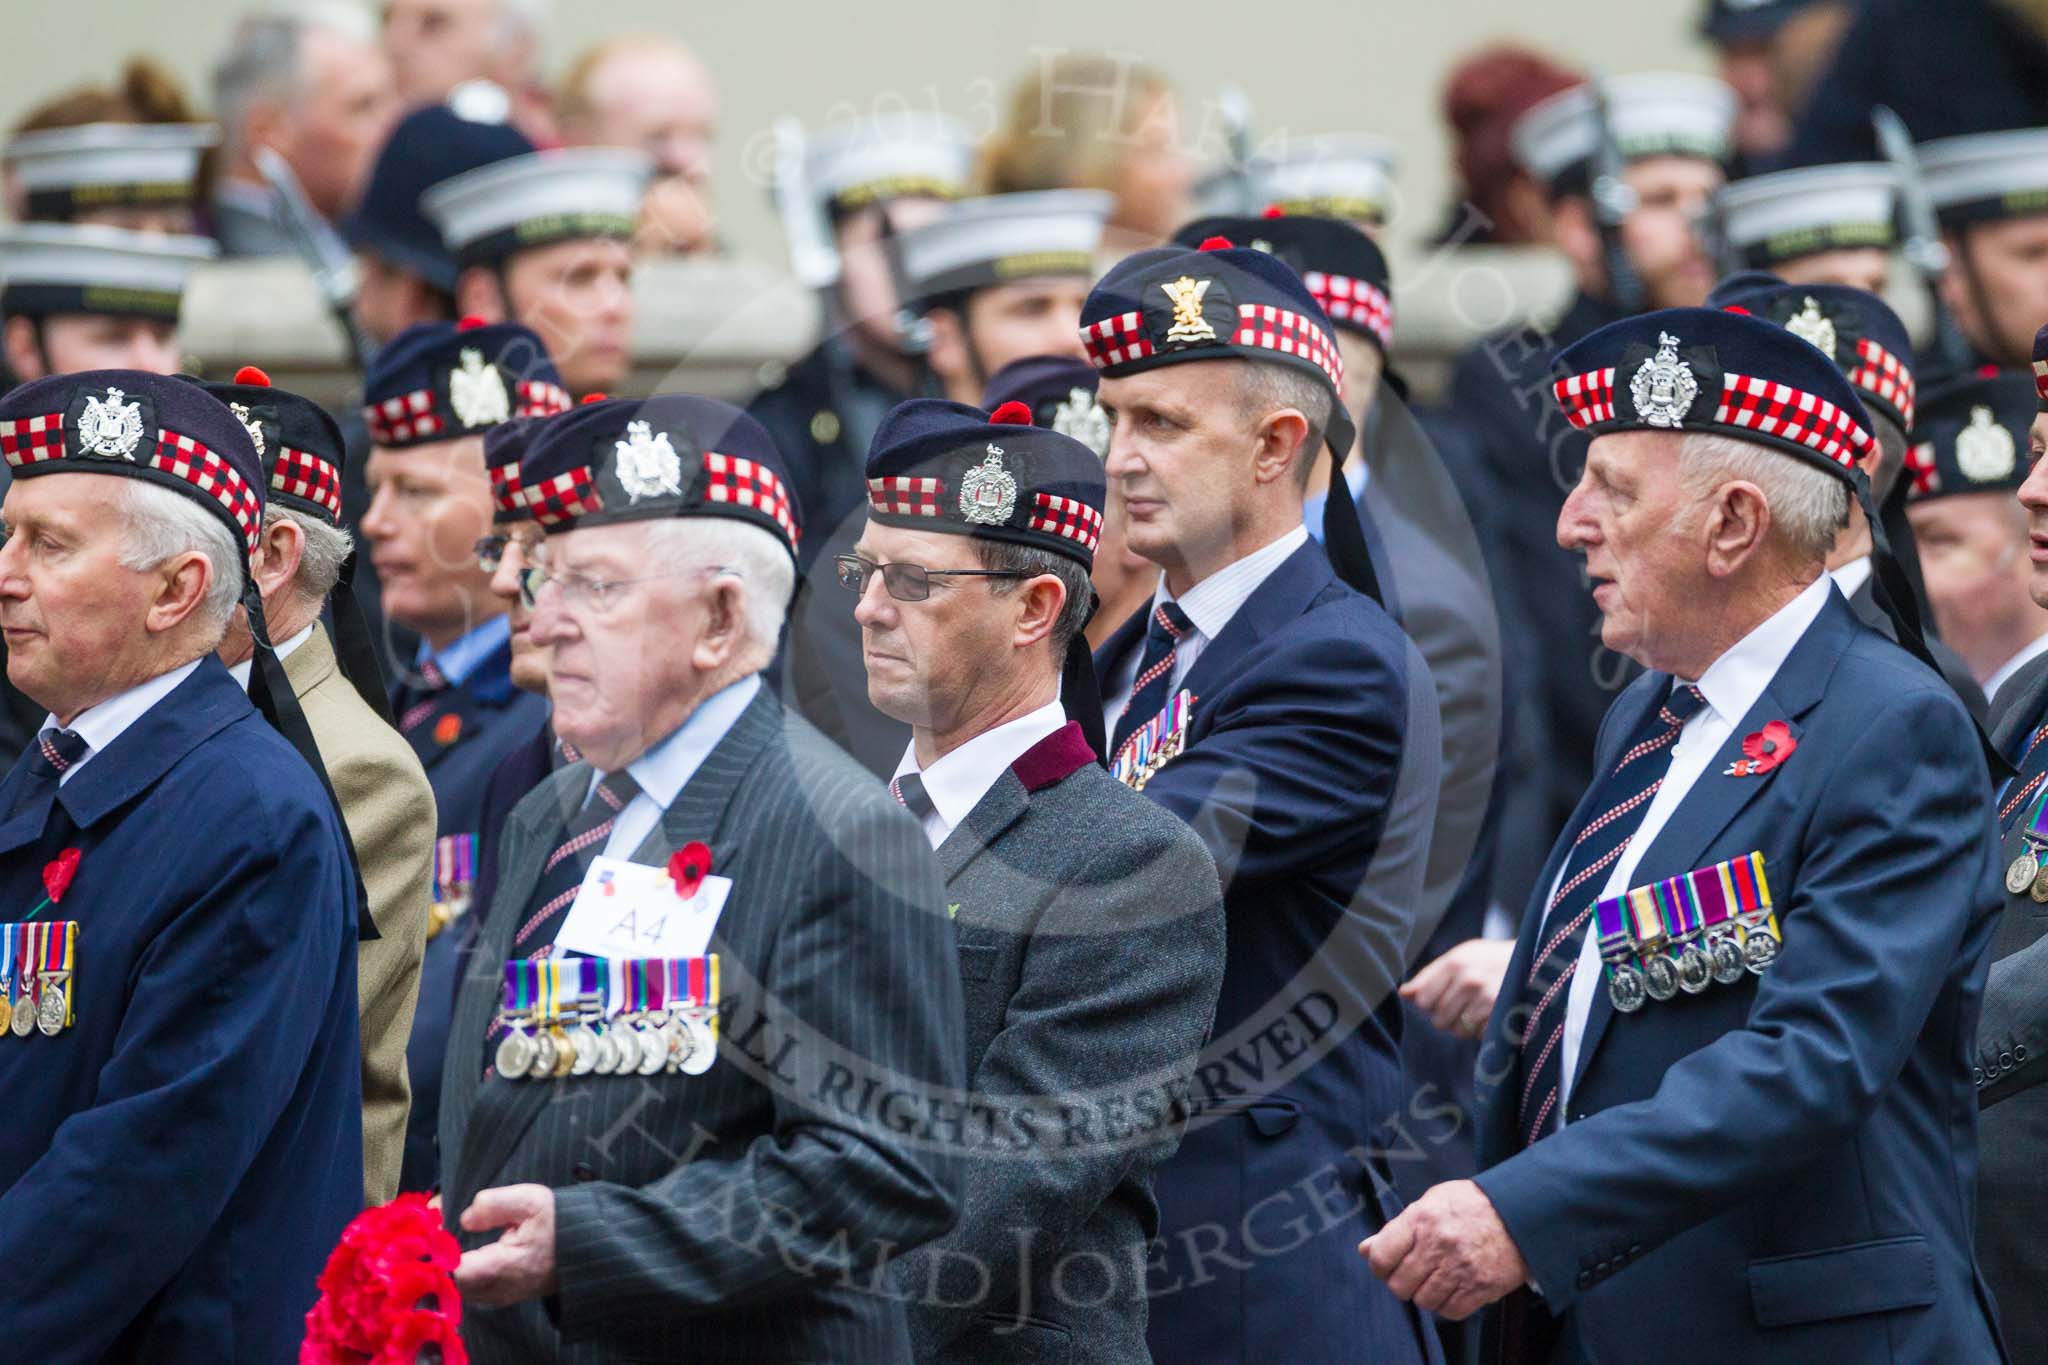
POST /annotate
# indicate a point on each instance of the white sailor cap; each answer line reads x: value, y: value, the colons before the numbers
x: 889, y: 155
x: 1661, y: 113
x: 536, y: 200
x: 1003, y: 237
x: 61, y: 268
x: 1331, y: 175
x: 68, y: 171
x: 1769, y: 219
x: 1982, y: 176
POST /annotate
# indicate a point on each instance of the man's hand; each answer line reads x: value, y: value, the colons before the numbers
x: 1448, y: 1252
x: 1457, y: 990
x: 521, y: 1263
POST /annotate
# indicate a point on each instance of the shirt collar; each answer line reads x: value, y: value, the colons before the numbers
x: 664, y: 770
x: 1212, y: 602
x: 463, y: 656
x: 101, y: 724
x: 2013, y: 665
x: 957, y: 781
x: 1733, y: 682
x: 1851, y: 577
x: 284, y: 651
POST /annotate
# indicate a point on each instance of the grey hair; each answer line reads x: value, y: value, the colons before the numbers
x: 1267, y: 388
x: 749, y: 553
x: 519, y: 19
x: 1032, y: 561
x: 324, y: 549
x: 261, y: 63
x: 1809, y: 506
x: 162, y: 524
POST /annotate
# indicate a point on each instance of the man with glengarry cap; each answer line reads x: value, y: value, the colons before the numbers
x: 184, y: 1112
x: 1089, y: 923
x: 1727, y: 1052
x: 745, y: 1212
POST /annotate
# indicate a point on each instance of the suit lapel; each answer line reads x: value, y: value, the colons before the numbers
x: 1284, y: 595
x: 1717, y: 798
x: 2019, y: 708
x: 999, y: 808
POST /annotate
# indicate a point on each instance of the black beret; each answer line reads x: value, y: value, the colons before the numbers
x: 1060, y: 391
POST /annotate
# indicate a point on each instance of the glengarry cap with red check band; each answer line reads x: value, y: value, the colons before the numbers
x: 1219, y: 301
x: 2041, y: 367
x: 1857, y: 329
x: 1972, y: 436
x: 950, y: 468
x: 441, y: 381
x: 674, y: 455
x: 306, y: 454
x: 168, y: 431
x: 1345, y: 269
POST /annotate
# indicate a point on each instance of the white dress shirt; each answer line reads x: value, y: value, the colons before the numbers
x: 665, y: 769
x: 284, y: 651
x: 1731, y: 685
x: 1851, y: 576
x: 101, y: 724
x: 1209, y: 605
x: 960, y: 778
x: 2004, y: 673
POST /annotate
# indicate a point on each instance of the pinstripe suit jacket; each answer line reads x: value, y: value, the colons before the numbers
x: 748, y: 1213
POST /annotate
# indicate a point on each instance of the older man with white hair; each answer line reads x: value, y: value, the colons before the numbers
x: 179, y: 974
x: 1726, y: 1075
x: 726, y: 1196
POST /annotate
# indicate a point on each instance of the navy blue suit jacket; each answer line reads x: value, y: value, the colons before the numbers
x: 180, y: 1162
x: 1311, y: 772
x: 1782, y: 1170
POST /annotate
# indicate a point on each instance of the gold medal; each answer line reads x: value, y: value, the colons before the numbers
x: 2039, y: 890
x: 565, y: 1052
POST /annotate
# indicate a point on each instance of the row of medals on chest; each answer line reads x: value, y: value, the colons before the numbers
x: 1659, y: 973
x: 2026, y: 876
x: 41, y: 1005
x: 586, y: 1043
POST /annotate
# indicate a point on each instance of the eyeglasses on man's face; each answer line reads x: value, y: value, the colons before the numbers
x: 905, y: 582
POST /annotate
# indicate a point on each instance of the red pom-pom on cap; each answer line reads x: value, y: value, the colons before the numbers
x: 1738, y: 309
x: 1273, y: 211
x: 249, y: 374
x: 590, y: 398
x: 1012, y: 414
x: 469, y: 322
x: 1988, y: 372
x: 1216, y: 244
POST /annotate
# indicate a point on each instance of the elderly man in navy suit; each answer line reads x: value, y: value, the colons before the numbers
x: 1266, y: 700
x: 1725, y: 1107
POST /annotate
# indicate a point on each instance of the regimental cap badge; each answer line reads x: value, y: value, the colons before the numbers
x: 1082, y: 418
x: 1811, y: 325
x: 1188, y: 325
x: 1664, y: 387
x: 249, y: 424
x: 1985, y: 451
x: 477, y: 391
x: 988, y: 492
x: 111, y: 428
x: 648, y: 465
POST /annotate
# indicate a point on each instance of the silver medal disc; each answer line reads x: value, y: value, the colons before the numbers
x: 653, y: 1047
x: 583, y: 1043
x: 24, y: 1021
x: 1760, y: 949
x: 607, y: 1059
x: 625, y: 1048
x: 50, y: 1010
x: 702, y: 1047
x: 1625, y: 988
x: 1660, y: 976
x: 515, y: 1054
x: 543, y: 1064
x: 1726, y: 952
x: 2020, y: 875
x: 1695, y: 973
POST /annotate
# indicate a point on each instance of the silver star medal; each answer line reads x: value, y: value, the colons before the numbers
x: 111, y: 428
x: 1082, y: 418
x: 1664, y: 386
x: 988, y: 492
x: 249, y: 424
x: 648, y: 465
x: 477, y: 392
x: 1985, y: 451
x: 1811, y: 325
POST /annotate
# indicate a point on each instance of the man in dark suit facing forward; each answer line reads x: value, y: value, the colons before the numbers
x: 1089, y: 921
x: 736, y: 1199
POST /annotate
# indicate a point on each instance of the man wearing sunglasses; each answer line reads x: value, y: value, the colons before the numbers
x: 1089, y: 921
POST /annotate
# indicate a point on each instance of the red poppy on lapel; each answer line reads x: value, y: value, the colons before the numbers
x: 688, y: 867
x: 1764, y: 750
x: 448, y: 729
x: 58, y: 872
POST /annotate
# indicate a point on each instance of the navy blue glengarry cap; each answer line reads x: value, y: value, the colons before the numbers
x: 1174, y: 304
x: 942, y: 466
x: 1972, y: 436
x: 427, y: 147
x: 2041, y: 366
x: 295, y: 436
x: 505, y: 445
x: 157, y: 428
x: 1705, y: 369
x: 1343, y: 268
x: 1857, y: 329
x: 673, y: 455
x: 1060, y: 391
x: 439, y: 381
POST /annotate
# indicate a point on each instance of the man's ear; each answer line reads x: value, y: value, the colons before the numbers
x: 477, y: 295
x: 278, y: 552
x: 1737, y: 523
x: 1281, y: 437
x: 1040, y: 601
x: 724, y: 625
x: 181, y: 586
x: 24, y: 357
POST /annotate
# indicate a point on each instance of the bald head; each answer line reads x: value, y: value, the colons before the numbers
x: 649, y: 93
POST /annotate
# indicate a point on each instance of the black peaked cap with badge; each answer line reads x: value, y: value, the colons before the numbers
x: 59, y: 269
x: 439, y: 381
x: 69, y: 171
x: 946, y: 467
x: 1856, y: 329
x: 1218, y: 301
x: 1060, y: 391
x: 674, y: 455
x: 1766, y: 220
x: 1972, y: 436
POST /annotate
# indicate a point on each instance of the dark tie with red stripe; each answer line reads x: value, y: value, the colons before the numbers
x: 908, y: 789
x: 563, y: 872
x: 1619, y: 804
x: 419, y: 701
x: 1164, y: 630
